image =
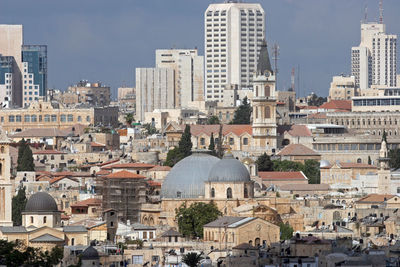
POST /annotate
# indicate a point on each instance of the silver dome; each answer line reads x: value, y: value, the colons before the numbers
x: 41, y: 201
x: 186, y: 179
x: 324, y: 163
x: 229, y: 169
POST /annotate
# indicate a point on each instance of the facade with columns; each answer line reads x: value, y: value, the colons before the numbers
x: 5, y: 183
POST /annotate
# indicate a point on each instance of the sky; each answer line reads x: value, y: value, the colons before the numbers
x: 103, y: 40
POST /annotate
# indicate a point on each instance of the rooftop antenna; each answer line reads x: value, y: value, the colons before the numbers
x: 381, y: 11
x: 292, y: 80
x: 365, y: 13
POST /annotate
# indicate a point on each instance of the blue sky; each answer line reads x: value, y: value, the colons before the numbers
x: 106, y: 40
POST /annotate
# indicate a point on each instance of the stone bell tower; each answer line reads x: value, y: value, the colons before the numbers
x: 384, y: 175
x: 264, y: 105
x: 5, y: 183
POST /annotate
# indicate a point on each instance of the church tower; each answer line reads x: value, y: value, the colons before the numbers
x: 264, y: 105
x: 5, y: 183
x: 384, y: 175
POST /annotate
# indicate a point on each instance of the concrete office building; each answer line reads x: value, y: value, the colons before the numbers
x: 155, y: 89
x: 189, y: 73
x: 27, y: 80
x: 34, y: 72
x: 374, y: 61
x: 342, y: 88
x: 233, y: 36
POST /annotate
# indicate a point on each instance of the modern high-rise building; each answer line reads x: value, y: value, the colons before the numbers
x: 6, y: 80
x: 234, y: 33
x: 34, y: 72
x: 374, y: 61
x: 189, y: 73
x: 29, y: 68
x: 155, y: 89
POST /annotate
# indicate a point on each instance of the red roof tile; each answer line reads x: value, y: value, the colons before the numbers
x: 318, y: 115
x: 236, y: 129
x: 94, y: 144
x: 153, y: 183
x: 124, y: 175
x: 374, y: 198
x: 103, y: 172
x: 160, y: 168
x: 87, y: 202
x: 282, y: 176
x: 337, y: 104
x: 299, y: 130
x: 297, y: 150
x: 58, y: 178
x: 134, y: 165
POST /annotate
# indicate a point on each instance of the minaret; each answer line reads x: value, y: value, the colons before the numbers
x: 264, y: 105
x: 5, y: 183
x: 384, y: 175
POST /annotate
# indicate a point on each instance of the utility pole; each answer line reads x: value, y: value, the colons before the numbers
x: 275, y: 53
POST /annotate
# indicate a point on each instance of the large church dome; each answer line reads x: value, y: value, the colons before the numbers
x: 186, y: 179
x: 40, y: 202
x: 229, y: 169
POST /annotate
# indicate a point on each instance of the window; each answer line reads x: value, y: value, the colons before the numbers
x: 18, y: 118
x: 231, y: 141
x: 137, y: 259
x: 47, y: 118
x: 245, y: 141
x: 63, y: 118
x: 267, y: 113
x: 229, y: 192
x: 11, y: 118
x: 267, y: 90
x: 44, y: 219
x: 144, y: 235
x: 88, y: 118
x: 72, y: 241
x: 53, y: 118
x: 212, y: 192
x: 202, y: 141
x: 79, y: 118
x: 246, y: 193
x: 33, y: 118
x: 70, y: 117
x: 27, y: 118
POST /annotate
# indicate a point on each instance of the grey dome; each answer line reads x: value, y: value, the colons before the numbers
x: 90, y: 254
x: 229, y: 169
x: 188, y: 176
x: 41, y: 201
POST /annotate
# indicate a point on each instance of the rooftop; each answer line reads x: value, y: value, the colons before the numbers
x: 124, y: 175
x: 282, y: 176
x: 297, y: 150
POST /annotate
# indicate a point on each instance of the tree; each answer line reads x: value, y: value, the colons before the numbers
x: 287, y: 165
x: 129, y: 119
x: 173, y: 157
x: 150, y: 129
x: 192, y: 259
x: 18, y: 205
x: 316, y: 100
x: 213, y: 120
x: 211, y: 147
x: 242, y: 113
x: 264, y: 163
x: 394, y: 158
x: 286, y: 231
x: 192, y: 219
x: 369, y: 160
x: 220, y: 151
x: 312, y: 171
x: 25, y: 157
x: 185, y: 144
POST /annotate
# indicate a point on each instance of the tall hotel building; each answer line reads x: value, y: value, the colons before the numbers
x: 374, y: 61
x: 234, y: 33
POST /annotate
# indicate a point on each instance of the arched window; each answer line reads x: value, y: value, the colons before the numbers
x: 359, y: 160
x: 246, y: 193
x: 229, y: 192
x: 31, y: 219
x: 256, y: 112
x: 267, y: 90
x: 44, y: 219
x: 257, y: 242
x: 212, y: 192
x: 72, y: 241
x: 267, y: 113
x: 2, y: 150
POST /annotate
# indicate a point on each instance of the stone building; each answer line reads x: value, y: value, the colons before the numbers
x: 5, y: 183
x: 54, y: 115
x: 94, y: 94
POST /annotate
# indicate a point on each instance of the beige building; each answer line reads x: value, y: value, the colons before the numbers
x: 344, y: 173
x: 54, y: 115
x: 342, y: 88
x: 5, y: 183
x: 94, y: 94
x: 227, y: 232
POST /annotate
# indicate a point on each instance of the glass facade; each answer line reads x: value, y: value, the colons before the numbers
x: 36, y: 57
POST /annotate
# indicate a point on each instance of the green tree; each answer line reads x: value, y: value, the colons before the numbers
x: 18, y: 205
x: 129, y: 119
x: 220, y: 150
x: 150, y: 129
x: 213, y: 120
x: 211, y: 147
x: 369, y: 160
x: 286, y: 231
x: 264, y: 163
x: 242, y: 113
x: 192, y: 219
x: 185, y: 144
x: 25, y: 157
x: 394, y: 158
x: 316, y: 100
x: 192, y: 259
x: 173, y: 157
x: 287, y: 165
x: 312, y: 171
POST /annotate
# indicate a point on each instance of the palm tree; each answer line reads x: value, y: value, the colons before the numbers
x: 192, y: 259
x: 129, y: 118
